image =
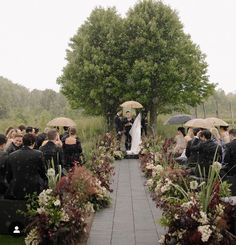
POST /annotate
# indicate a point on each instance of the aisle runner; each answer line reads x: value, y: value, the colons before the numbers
x: 132, y: 218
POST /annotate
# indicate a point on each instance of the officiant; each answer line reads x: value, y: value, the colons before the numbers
x: 128, y: 122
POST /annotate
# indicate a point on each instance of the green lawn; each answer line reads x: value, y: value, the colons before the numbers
x: 9, y: 240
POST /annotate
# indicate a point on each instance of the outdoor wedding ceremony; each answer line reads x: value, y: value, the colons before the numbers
x: 117, y: 122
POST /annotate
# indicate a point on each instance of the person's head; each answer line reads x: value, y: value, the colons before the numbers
x: 46, y: 130
x: 128, y: 114
x: 29, y: 140
x: 232, y: 134
x: 11, y: 134
x: 52, y: 134
x: 119, y: 113
x: 181, y: 130
x: 22, y: 127
x: 66, y: 128
x: 72, y: 131
x: 205, y: 135
x: 224, y: 128
x: 3, y: 141
x: 36, y: 131
x: 195, y: 131
x: 17, y: 140
x: 29, y: 130
x: 215, y: 133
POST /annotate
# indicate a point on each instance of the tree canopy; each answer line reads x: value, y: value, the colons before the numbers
x: 145, y: 56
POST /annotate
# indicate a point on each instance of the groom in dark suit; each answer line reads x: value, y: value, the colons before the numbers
x: 25, y: 170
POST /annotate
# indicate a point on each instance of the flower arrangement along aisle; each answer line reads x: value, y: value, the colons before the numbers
x: 58, y: 215
x: 193, y: 211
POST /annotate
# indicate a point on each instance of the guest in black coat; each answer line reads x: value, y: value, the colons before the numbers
x: 206, y: 149
x: 119, y: 125
x: 16, y: 144
x: 25, y: 170
x: 72, y: 149
x: 230, y: 154
x: 192, y: 155
x: 3, y: 160
x: 51, y: 151
x: 40, y: 138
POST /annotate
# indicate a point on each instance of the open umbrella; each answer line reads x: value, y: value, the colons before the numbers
x: 217, y: 121
x: 178, y: 119
x: 62, y: 121
x: 131, y: 104
x: 199, y: 123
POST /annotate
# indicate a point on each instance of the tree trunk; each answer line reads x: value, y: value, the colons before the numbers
x: 153, y: 119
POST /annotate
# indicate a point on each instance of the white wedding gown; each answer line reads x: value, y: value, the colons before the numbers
x: 135, y: 133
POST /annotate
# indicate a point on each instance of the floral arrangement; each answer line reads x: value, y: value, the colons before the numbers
x: 193, y: 209
x: 58, y: 215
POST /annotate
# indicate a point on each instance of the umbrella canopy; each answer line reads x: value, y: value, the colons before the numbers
x: 217, y: 121
x: 199, y: 123
x: 62, y: 121
x: 131, y: 104
x: 178, y: 119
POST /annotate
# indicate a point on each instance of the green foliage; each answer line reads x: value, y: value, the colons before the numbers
x: 145, y: 56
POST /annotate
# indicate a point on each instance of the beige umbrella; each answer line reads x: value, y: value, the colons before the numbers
x: 131, y: 104
x: 62, y: 121
x: 199, y: 123
x: 217, y: 121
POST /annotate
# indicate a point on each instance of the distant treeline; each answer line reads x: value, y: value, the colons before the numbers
x: 36, y: 106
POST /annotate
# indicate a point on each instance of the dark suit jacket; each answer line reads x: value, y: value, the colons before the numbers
x: 230, y: 157
x: 52, y: 152
x: 3, y: 161
x: 25, y: 173
x: 206, y: 151
x: 118, y: 124
x: 190, y: 154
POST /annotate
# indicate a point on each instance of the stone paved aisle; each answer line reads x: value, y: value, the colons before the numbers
x: 131, y: 220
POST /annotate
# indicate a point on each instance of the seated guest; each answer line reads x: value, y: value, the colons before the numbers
x: 224, y: 134
x: 207, y: 150
x: 192, y: 155
x: 230, y: 153
x: 25, y: 170
x: 3, y: 160
x: 16, y: 143
x: 51, y: 151
x: 72, y: 149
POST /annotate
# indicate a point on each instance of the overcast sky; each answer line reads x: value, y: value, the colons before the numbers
x: 34, y: 35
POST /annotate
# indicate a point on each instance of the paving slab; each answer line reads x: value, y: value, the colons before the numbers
x: 132, y: 217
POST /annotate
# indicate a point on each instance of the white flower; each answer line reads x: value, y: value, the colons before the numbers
x: 64, y: 216
x: 44, y: 197
x: 57, y: 203
x: 217, y: 166
x: 48, y: 191
x: 51, y: 172
x: 205, y: 231
x: 149, y: 182
x: 33, y: 237
x: 150, y: 166
x: 193, y: 185
x: 162, y: 239
x: 203, y: 220
x: 40, y: 210
x: 157, y: 170
x: 220, y: 209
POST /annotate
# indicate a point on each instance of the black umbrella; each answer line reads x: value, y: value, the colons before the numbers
x: 178, y: 119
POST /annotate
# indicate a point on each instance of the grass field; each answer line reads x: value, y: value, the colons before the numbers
x: 9, y: 240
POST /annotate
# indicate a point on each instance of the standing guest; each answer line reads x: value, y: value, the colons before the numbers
x: 29, y: 130
x: 119, y: 125
x: 51, y: 151
x: 8, y: 130
x: 192, y: 155
x: 180, y: 145
x: 16, y: 143
x: 144, y: 124
x: 224, y: 134
x: 3, y: 160
x: 25, y: 170
x: 10, y: 136
x: 65, y: 134
x: 230, y: 153
x: 72, y: 149
x: 128, y: 122
x: 207, y: 150
x: 40, y: 138
x: 215, y: 135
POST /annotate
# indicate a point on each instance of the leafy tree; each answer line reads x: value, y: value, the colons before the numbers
x: 167, y: 71
x: 95, y: 75
x: 145, y: 57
